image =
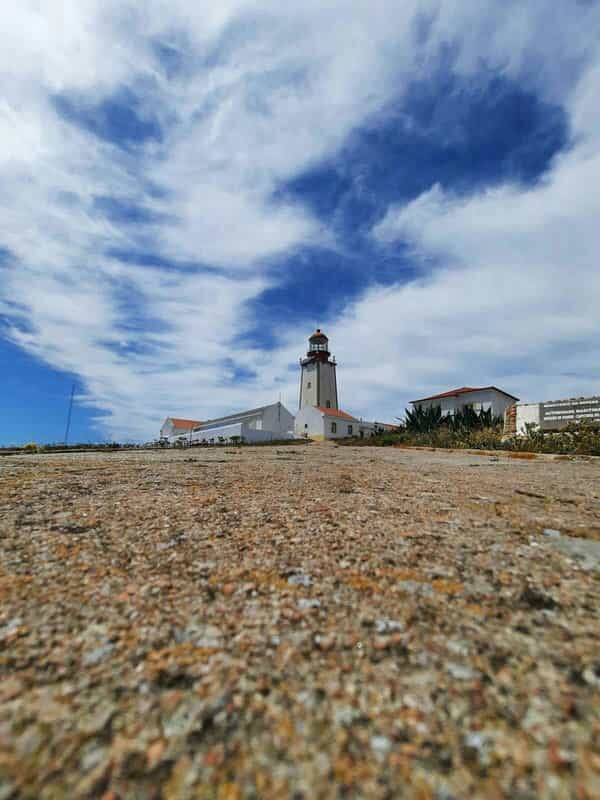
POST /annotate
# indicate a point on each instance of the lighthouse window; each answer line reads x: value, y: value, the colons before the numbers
x: 333, y: 427
x: 308, y: 385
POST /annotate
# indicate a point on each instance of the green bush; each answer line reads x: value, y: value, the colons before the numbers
x: 428, y: 420
x: 578, y: 438
x: 445, y: 436
x: 30, y: 447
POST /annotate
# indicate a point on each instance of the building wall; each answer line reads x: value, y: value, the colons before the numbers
x: 316, y: 425
x: 327, y: 386
x: 318, y: 385
x: 274, y: 418
x: 341, y: 427
x: 249, y: 434
x: 168, y: 429
x: 278, y: 419
x: 309, y: 423
x: 485, y: 399
x: 308, y: 385
x: 527, y: 414
x: 213, y: 432
x: 368, y: 429
x: 555, y: 414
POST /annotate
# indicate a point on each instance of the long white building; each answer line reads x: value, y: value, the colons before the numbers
x: 263, y: 424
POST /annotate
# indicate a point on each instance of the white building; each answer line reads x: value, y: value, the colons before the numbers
x: 264, y: 424
x: 174, y: 427
x: 320, y: 416
x: 319, y: 423
x: 552, y: 415
x: 481, y: 399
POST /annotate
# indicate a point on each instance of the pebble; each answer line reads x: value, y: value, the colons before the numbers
x: 300, y: 580
x: 551, y: 533
x: 93, y: 657
x: 381, y: 745
x: 461, y: 672
x: 388, y: 625
x: 305, y: 603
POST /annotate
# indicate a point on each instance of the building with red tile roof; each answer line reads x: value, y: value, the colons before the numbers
x: 174, y: 426
x: 481, y: 398
x: 464, y: 390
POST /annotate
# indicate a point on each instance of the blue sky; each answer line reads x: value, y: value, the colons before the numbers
x: 186, y: 193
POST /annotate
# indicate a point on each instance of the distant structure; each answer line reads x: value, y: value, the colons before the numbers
x: 318, y: 382
x: 69, y: 413
x: 173, y: 426
x: 319, y: 423
x: 263, y: 424
x: 553, y: 415
x: 485, y: 398
x: 319, y: 416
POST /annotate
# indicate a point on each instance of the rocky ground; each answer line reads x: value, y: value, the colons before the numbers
x: 300, y: 622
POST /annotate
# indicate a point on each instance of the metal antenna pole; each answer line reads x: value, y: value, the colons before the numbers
x: 69, y: 414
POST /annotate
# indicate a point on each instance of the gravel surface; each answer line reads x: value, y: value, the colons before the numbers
x: 299, y: 622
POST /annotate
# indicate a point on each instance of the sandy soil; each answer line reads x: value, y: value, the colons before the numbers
x: 299, y: 622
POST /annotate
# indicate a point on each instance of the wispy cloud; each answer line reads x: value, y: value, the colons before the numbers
x: 143, y: 151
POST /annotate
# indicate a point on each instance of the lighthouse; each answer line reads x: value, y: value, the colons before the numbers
x: 318, y: 384
x: 320, y: 416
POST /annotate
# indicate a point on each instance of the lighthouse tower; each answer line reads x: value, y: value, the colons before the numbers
x: 318, y: 385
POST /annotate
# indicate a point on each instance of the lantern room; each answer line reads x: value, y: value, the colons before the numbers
x: 318, y: 343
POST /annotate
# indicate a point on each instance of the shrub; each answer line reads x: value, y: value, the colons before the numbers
x: 578, y: 438
x: 423, y: 420
x: 30, y: 447
x: 427, y: 420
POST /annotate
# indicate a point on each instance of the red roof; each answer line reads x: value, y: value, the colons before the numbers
x: 318, y: 334
x: 463, y: 390
x: 184, y: 423
x: 335, y: 412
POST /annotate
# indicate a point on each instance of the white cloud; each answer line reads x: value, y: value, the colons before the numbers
x: 520, y: 284
x: 261, y: 93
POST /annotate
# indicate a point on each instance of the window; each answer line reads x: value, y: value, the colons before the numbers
x: 308, y: 385
x: 305, y: 426
x: 349, y: 429
x: 328, y: 404
x: 333, y: 427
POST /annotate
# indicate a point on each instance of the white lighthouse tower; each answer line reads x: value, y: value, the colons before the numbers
x: 320, y: 416
x: 318, y: 384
